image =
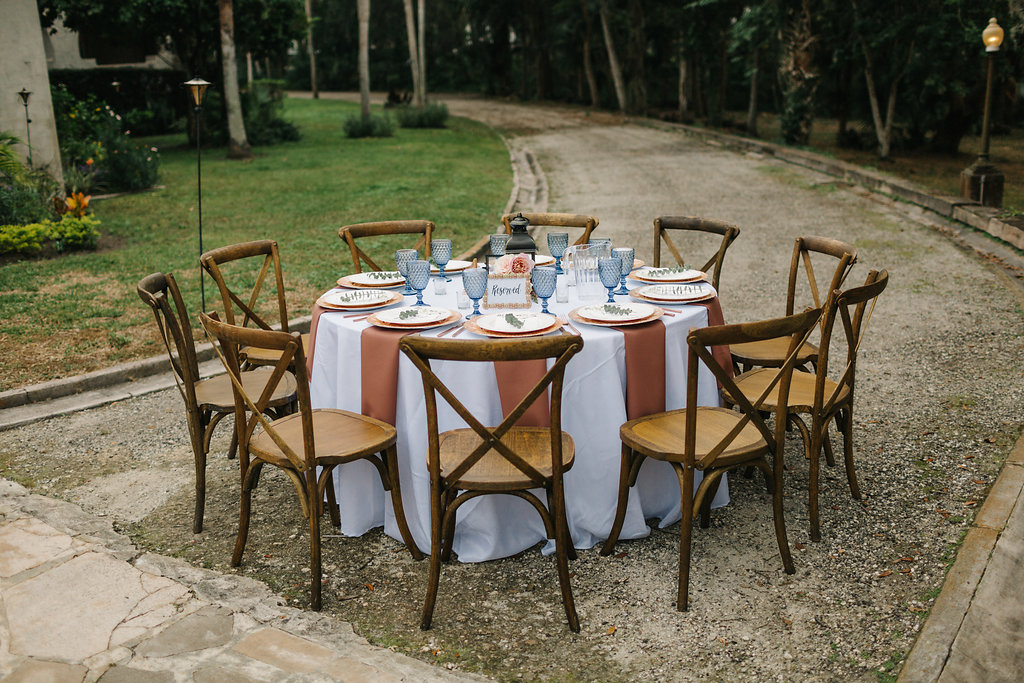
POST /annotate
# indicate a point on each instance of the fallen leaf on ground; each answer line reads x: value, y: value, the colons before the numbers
x: 799, y: 546
x: 887, y: 572
x: 610, y: 631
x: 369, y: 586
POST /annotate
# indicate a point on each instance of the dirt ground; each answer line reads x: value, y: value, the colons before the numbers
x: 938, y: 408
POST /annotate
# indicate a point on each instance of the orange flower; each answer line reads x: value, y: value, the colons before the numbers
x: 88, y: 162
x: 78, y: 204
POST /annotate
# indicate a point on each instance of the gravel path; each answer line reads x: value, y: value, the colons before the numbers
x: 939, y: 396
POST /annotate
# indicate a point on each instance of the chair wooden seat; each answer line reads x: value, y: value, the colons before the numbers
x: 714, y: 440
x: 307, y: 445
x: 341, y: 436
x: 207, y: 401
x: 770, y: 353
x: 801, y: 390
x: 215, y: 393
x: 494, y: 472
x: 257, y: 356
x: 659, y: 436
x: 506, y: 459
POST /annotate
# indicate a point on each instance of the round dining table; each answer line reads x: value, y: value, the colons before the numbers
x: 594, y: 405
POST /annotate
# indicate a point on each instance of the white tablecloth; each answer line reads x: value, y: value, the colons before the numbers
x: 593, y: 407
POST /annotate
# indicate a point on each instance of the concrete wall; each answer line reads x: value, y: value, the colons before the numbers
x: 23, y: 65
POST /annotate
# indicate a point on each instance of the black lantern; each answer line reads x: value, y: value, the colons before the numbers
x: 521, y: 242
x: 24, y: 95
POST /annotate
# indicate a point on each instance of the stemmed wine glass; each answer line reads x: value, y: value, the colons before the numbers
x: 609, y: 269
x: 419, y: 276
x: 475, y: 282
x: 557, y: 244
x: 544, y: 278
x: 402, y: 259
x: 625, y: 256
x: 441, y: 250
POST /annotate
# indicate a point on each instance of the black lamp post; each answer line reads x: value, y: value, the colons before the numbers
x: 981, y: 181
x: 197, y: 87
x: 24, y: 95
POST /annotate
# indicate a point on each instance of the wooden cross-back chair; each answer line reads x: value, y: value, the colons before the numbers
x: 715, y: 440
x: 556, y: 220
x: 350, y: 233
x: 771, y: 352
x: 301, y: 443
x: 266, y: 263
x: 818, y: 396
x: 207, y: 401
x: 507, y: 459
x: 663, y: 225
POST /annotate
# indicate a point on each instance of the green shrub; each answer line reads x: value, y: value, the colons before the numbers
x: 23, y: 239
x: 26, y: 195
x: 262, y: 106
x: 72, y: 233
x: 428, y: 116
x: 128, y: 165
x: 374, y: 127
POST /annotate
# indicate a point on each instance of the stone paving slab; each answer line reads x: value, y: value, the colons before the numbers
x: 78, y: 602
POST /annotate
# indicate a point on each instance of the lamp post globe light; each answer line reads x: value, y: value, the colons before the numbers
x: 981, y: 181
x: 24, y: 94
x: 197, y: 89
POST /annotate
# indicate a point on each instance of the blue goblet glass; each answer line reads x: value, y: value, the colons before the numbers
x: 625, y: 256
x: 609, y: 269
x: 441, y: 251
x: 544, y: 278
x: 558, y: 242
x: 402, y: 259
x: 419, y: 276
x: 475, y: 282
x: 498, y: 242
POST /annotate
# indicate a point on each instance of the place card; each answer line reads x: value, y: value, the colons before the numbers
x: 507, y: 291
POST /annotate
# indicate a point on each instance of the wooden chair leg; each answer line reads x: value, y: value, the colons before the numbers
x: 313, y: 497
x: 391, y: 462
x: 570, y: 548
x: 561, y: 558
x: 780, y: 520
x: 434, y: 576
x: 244, y: 510
x: 705, y: 505
x: 620, y: 508
x: 233, y: 447
x: 685, y: 475
x: 200, y: 463
x: 332, y: 501
x: 827, y: 447
x: 447, y: 529
x: 851, y: 473
x: 813, y: 475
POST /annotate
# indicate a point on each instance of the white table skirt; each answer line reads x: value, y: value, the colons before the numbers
x: 593, y: 407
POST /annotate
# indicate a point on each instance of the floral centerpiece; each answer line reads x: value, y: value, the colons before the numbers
x: 513, y: 264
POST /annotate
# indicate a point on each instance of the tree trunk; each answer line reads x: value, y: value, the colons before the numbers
x: 684, y: 89
x: 797, y: 75
x: 312, y: 50
x: 637, y: 52
x: 588, y: 62
x: 752, y: 106
x: 421, y: 44
x: 238, y: 145
x: 883, y: 129
x: 613, y: 60
x: 363, y: 11
x: 414, y: 55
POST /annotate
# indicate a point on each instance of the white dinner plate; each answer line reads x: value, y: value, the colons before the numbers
x: 515, y: 323
x: 357, y: 298
x: 617, y: 312
x: 453, y: 266
x: 674, y: 274
x: 377, y: 278
x: 413, y: 315
x: 543, y: 260
x: 681, y: 292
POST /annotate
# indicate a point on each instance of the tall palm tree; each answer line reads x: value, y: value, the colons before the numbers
x: 238, y: 145
x: 363, y: 10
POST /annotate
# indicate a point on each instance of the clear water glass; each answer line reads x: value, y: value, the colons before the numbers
x: 441, y: 250
x: 475, y: 282
x: 625, y: 256
x: 418, y: 277
x: 557, y: 244
x: 607, y: 241
x: 609, y: 269
x: 402, y: 259
x: 544, y: 278
x: 498, y: 242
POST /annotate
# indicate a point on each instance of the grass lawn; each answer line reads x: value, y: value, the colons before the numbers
x: 65, y: 316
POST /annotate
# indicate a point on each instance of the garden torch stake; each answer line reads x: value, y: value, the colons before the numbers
x: 197, y: 87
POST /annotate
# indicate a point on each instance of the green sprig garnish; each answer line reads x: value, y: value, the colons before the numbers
x: 612, y: 309
x: 659, y: 272
x: 513, y: 320
x: 384, y: 275
x: 409, y: 313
